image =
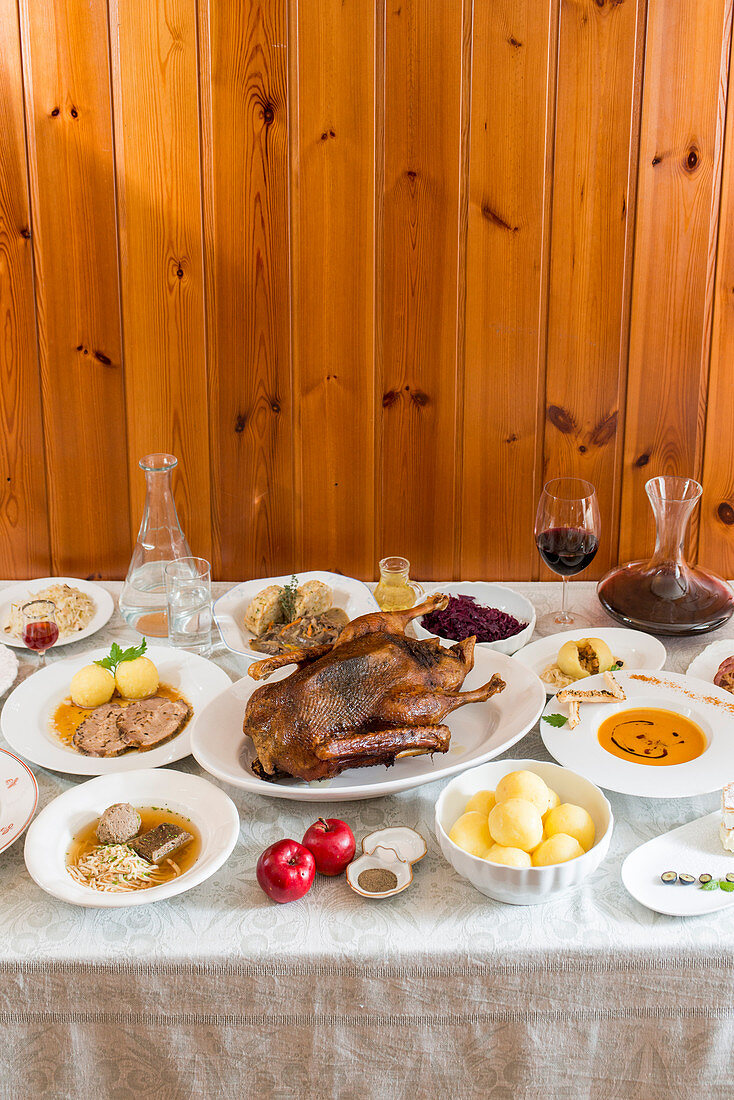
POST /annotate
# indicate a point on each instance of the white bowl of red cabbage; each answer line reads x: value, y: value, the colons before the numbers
x: 501, y: 618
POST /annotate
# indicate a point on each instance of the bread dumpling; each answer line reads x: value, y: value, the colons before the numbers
x: 264, y: 610
x: 312, y: 598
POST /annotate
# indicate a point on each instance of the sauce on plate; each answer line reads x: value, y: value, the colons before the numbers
x: 647, y: 735
x: 67, y: 717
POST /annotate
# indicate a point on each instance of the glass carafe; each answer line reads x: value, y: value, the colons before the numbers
x: 160, y: 540
x: 395, y: 590
x: 666, y: 595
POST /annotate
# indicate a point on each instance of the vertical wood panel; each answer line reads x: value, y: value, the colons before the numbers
x: 418, y: 388
x: 67, y: 82
x: 511, y: 126
x: 716, y: 534
x: 334, y: 294
x: 159, y: 202
x: 597, y: 125
x: 244, y: 51
x: 680, y: 150
x: 24, y: 545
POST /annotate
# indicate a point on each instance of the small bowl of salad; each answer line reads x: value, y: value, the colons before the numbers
x: 501, y: 618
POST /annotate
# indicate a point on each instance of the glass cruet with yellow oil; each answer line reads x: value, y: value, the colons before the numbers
x: 395, y: 590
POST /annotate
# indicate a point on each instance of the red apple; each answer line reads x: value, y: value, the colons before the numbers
x: 331, y: 842
x: 286, y: 870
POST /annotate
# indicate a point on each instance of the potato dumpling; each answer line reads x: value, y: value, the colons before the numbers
x: 470, y: 832
x: 136, y: 679
x: 557, y: 849
x: 554, y: 801
x: 516, y: 823
x: 511, y: 857
x: 573, y: 820
x: 92, y: 686
x: 482, y: 802
x: 524, y: 784
x: 584, y: 657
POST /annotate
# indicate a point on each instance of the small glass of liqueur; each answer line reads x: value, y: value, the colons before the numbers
x: 40, y: 629
x: 567, y: 529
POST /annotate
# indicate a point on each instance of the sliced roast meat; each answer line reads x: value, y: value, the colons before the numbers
x: 150, y: 722
x: 725, y: 675
x: 100, y: 734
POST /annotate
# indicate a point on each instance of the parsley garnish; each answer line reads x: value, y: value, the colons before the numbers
x: 555, y: 719
x: 615, y: 667
x: 117, y: 655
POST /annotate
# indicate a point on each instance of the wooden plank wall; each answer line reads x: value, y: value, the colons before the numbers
x: 373, y: 270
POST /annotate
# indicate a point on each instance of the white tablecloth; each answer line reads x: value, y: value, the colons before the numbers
x: 436, y: 992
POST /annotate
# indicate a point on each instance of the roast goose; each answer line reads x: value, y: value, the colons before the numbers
x: 370, y: 697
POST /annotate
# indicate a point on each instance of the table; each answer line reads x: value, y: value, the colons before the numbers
x: 436, y: 992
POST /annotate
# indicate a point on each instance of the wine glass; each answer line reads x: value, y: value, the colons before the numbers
x: 40, y: 629
x: 567, y: 529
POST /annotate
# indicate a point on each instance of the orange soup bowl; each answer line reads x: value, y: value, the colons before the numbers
x: 519, y: 885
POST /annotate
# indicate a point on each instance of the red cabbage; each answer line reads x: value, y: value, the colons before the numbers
x: 464, y: 617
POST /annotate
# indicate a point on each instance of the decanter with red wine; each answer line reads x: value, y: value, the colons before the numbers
x: 667, y: 595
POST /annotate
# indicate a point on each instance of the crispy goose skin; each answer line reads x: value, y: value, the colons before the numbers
x: 373, y: 696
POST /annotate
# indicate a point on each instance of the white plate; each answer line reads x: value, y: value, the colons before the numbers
x: 490, y: 595
x: 18, y: 798
x: 710, y: 707
x: 351, y: 595
x: 693, y: 849
x: 25, y: 718
x: 8, y: 668
x: 479, y: 731
x: 25, y: 590
x: 636, y: 649
x: 212, y: 812
x: 706, y: 664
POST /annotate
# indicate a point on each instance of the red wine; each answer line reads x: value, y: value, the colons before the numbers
x: 666, y: 599
x: 40, y: 635
x: 567, y: 550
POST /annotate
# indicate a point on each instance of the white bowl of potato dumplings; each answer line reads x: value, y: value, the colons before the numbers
x: 524, y: 885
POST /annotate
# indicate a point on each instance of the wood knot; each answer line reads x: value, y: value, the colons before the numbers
x: 419, y: 398
x: 725, y: 512
x: 604, y: 431
x: 511, y: 439
x: 692, y: 159
x: 411, y: 174
x: 389, y: 398
x: 240, y: 422
x: 642, y: 460
x: 275, y: 405
x: 103, y: 358
x: 582, y: 449
x: 327, y: 134
x: 55, y: 113
x: 656, y: 160
x: 74, y: 113
x: 561, y: 419
x: 25, y: 233
x: 514, y: 42
x: 268, y: 114
x: 493, y: 217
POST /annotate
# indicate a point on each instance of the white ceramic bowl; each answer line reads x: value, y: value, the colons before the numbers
x: 47, y: 841
x: 491, y: 595
x: 519, y: 885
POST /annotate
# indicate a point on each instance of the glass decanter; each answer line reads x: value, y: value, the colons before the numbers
x: 395, y: 590
x: 667, y: 595
x: 160, y: 540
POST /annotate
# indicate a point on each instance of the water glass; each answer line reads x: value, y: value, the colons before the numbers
x: 189, y: 599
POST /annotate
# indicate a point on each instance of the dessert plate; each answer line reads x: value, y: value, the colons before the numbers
x: 352, y: 596
x: 710, y: 707
x: 706, y: 664
x: 25, y: 590
x: 26, y: 715
x: 212, y: 812
x: 8, y: 668
x: 479, y: 732
x: 636, y: 649
x: 693, y: 849
x: 18, y: 797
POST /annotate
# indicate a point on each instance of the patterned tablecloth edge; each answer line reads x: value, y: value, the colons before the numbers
x: 575, y: 964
